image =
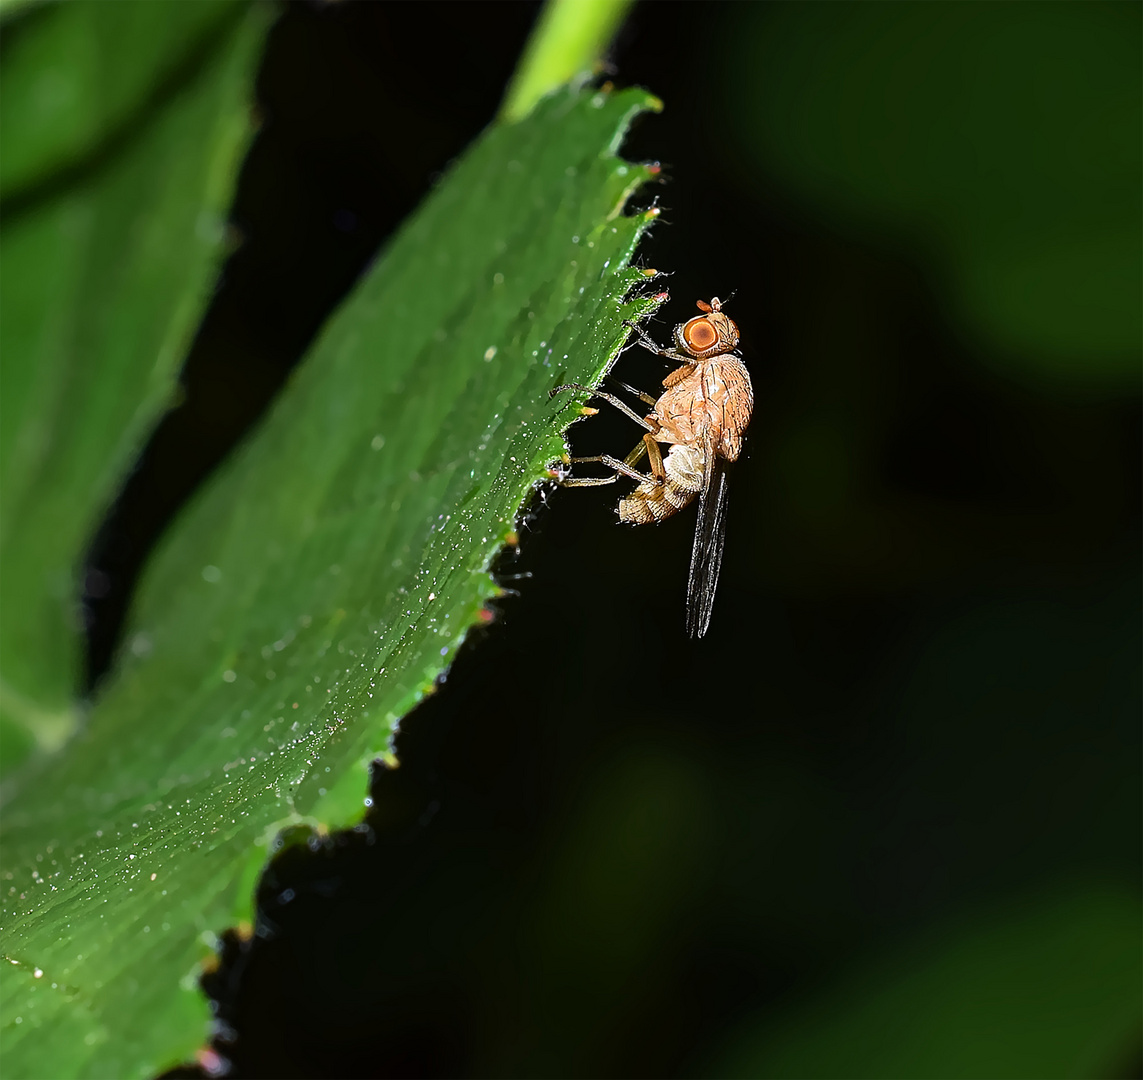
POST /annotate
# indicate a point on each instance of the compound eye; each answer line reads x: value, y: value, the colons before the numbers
x: 699, y: 335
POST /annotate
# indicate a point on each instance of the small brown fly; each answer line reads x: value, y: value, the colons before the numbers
x: 701, y: 415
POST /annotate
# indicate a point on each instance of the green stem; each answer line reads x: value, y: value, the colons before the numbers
x: 568, y: 40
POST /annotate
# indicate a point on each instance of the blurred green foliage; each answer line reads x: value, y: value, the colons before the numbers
x: 1044, y: 987
x: 997, y: 142
x: 111, y: 232
x: 78, y: 79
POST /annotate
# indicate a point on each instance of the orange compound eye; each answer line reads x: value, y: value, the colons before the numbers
x: 699, y: 335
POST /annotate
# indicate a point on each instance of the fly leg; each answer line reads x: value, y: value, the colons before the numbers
x: 656, y: 457
x: 626, y: 467
x: 611, y: 399
x: 621, y: 467
x: 647, y: 399
x: 651, y: 345
x: 588, y: 481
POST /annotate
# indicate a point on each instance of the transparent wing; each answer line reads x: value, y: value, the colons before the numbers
x: 706, y: 555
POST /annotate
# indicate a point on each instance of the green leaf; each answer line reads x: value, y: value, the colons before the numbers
x: 316, y: 590
x: 1048, y: 987
x: 996, y: 143
x: 122, y: 125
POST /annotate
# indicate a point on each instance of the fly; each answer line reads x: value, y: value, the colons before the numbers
x: 701, y: 415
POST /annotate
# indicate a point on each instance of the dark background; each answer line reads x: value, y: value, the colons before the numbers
x: 609, y: 850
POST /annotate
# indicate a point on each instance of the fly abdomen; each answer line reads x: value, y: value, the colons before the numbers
x: 654, y: 500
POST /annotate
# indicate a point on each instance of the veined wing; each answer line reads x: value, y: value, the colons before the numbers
x: 710, y: 536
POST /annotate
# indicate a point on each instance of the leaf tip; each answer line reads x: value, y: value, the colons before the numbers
x: 211, y: 1061
x: 389, y: 760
